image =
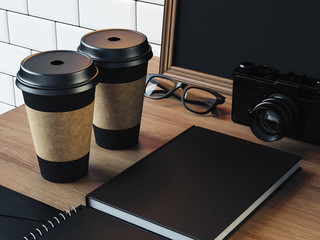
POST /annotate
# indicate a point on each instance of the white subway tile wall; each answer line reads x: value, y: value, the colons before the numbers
x: 5, y: 108
x: 100, y: 14
x: 161, y: 2
x: 18, y: 95
x: 4, y: 35
x: 34, y: 52
x: 58, y: 10
x: 6, y: 89
x: 156, y: 49
x: 68, y: 37
x: 31, y: 32
x: 15, y: 5
x: 153, y: 14
x: 11, y: 57
x: 31, y: 26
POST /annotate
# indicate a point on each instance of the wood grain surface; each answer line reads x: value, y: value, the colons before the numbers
x: 292, y: 213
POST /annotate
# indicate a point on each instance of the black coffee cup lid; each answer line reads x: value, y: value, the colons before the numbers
x: 56, y: 73
x: 116, y: 48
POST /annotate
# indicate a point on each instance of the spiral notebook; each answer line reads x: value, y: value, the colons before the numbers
x: 200, y: 185
x: 20, y: 213
x: 83, y: 223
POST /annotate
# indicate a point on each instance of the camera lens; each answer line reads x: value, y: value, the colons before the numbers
x: 270, y: 121
x: 273, y: 118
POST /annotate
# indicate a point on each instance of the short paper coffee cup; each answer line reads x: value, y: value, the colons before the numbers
x: 59, y: 89
x: 122, y: 57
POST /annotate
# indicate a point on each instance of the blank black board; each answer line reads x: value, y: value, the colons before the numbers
x: 214, y: 36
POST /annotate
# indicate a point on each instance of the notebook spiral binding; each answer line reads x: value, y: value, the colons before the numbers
x: 51, y: 224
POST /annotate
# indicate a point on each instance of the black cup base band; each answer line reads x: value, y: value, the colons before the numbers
x: 116, y: 139
x: 62, y: 172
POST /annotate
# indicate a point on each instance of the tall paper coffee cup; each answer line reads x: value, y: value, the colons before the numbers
x: 59, y: 89
x: 122, y: 57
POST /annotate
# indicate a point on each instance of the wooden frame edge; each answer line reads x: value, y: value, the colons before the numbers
x: 221, y: 85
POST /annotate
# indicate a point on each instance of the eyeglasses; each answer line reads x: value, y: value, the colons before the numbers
x: 195, y: 99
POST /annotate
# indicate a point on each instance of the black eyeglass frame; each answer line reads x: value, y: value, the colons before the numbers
x: 185, y: 87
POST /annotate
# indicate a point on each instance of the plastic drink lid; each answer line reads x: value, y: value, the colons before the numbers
x: 116, y: 48
x: 54, y: 73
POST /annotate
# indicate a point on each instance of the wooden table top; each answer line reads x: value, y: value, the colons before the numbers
x: 292, y: 213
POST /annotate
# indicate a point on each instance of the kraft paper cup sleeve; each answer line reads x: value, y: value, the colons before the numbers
x: 119, y: 106
x: 61, y: 136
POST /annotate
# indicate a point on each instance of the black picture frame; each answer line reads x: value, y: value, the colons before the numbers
x: 191, y: 26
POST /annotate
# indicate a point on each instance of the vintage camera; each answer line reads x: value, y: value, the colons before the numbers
x: 276, y: 105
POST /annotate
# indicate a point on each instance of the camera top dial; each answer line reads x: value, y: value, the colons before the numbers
x: 246, y: 67
x: 259, y: 71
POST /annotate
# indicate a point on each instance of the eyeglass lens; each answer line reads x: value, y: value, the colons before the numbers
x: 198, y: 100
x: 158, y: 87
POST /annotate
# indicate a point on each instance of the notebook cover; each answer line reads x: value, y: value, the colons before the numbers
x: 19, y: 214
x: 90, y: 224
x: 198, y: 183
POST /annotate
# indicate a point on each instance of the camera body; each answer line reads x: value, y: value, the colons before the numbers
x: 275, y: 105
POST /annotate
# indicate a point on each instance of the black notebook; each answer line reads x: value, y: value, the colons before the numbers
x: 19, y: 214
x: 83, y: 223
x: 200, y: 185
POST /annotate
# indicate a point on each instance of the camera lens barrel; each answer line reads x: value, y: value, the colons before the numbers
x: 273, y: 118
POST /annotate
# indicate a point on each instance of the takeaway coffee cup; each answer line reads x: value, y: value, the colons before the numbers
x: 58, y: 89
x: 122, y: 57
